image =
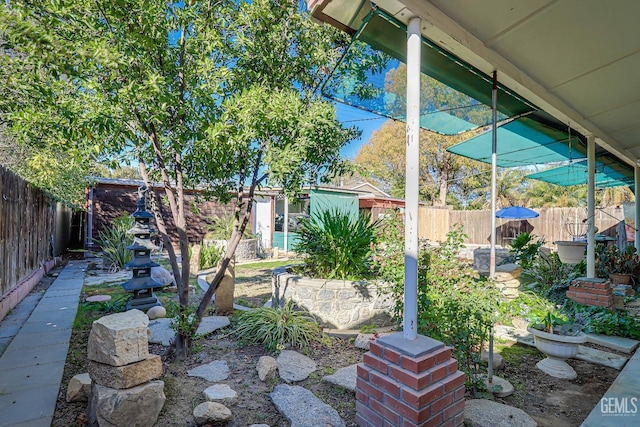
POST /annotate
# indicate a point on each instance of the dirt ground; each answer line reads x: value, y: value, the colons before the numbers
x: 550, y: 401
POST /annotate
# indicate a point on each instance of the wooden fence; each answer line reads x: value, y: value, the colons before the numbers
x: 26, y: 226
x: 434, y: 223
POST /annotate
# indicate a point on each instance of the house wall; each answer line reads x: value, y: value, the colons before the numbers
x: 112, y: 200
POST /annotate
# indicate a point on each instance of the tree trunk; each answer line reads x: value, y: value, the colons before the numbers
x: 182, y: 344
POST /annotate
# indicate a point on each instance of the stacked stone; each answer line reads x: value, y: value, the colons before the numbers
x: 507, y: 279
x: 125, y: 389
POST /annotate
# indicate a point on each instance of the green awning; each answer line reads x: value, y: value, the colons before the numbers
x: 522, y: 142
x: 609, y: 173
x: 456, y: 97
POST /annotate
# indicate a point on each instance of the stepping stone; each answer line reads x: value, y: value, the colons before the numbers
x: 222, y: 393
x: 161, y: 332
x: 99, y: 298
x: 625, y: 345
x: 212, y: 323
x: 344, y: 377
x: 503, y: 387
x: 294, y: 366
x: 217, y: 370
x: 498, y: 360
x: 302, y: 408
x: 363, y: 340
x: 486, y: 413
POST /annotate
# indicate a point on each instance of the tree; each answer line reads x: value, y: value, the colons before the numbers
x: 509, y: 189
x: 213, y: 93
x: 384, y: 157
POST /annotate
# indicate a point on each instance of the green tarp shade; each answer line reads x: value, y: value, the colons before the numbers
x: 326, y: 200
x: 613, y: 174
x: 456, y: 97
x: 522, y: 142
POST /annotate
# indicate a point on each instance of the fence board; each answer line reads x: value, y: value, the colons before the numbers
x: 551, y: 224
x: 26, y: 222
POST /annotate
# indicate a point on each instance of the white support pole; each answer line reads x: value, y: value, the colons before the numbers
x: 285, y: 225
x: 636, y: 182
x: 411, y: 180
x: 494, y: 167
x: 591, y: 206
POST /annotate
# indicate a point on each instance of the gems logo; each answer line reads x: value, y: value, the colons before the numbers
x: 619, y: 406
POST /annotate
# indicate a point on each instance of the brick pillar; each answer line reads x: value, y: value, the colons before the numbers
x: 409, y: 383
x: 591, y: 292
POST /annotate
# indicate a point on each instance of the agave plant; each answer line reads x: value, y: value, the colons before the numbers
x: 334, y: 245
x: 114, y: 240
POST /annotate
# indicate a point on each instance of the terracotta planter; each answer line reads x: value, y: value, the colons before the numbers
x: 620, y: 278
x: 571, y: 252
x: 558, y: 348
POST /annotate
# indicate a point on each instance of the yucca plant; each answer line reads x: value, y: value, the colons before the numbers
x: 114, y: 240
x: 275, y: 327
x: 334, y: 245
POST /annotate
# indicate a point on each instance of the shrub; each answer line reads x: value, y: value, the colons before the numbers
x: 222, y: 228
x: 275, y: 327
x: 114, y: 240
x: 209, y: 256
x: 336, y: 246
x: 525, y: 250
x: 455, y: 305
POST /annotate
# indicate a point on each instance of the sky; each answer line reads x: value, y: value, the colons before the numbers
x: 366, y: 121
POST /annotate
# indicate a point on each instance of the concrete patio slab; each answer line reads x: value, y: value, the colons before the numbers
x: 28, y: 405
x: 40, y: 422
x: 625, y: 345
x: 29, y: 377
x: 34, y: 355
x: 619, y: 405
x: 49, y: 316
x: 24, y: 341
x: 41, y: 327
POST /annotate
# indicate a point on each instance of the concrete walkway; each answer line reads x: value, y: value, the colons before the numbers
x: 620, y: 405
x: 31, y: 365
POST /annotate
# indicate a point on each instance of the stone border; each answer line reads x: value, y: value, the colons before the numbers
x: 339, y: 304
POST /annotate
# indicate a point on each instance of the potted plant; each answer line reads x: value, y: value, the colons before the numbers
x: 558, y: 337
x: 571, y: 252
x: 618, y: 265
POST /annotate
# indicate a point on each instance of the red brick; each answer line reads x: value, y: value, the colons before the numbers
x: 425, y: 362
x: 448, y: 423
x: 453, y: 410
x: 459, y: 420
x: 423, y: 397
x: 443, y: 402
x: 571, y: 294
x: 452, y: 367
x: 415, y: 381
x: 434, y: 421
x: 363, y: 397
x: 386, y: 411
x: 361, y: 421
x: 438, y: 373
x: 391, y: 355
x: 415, y: 415
x: 385, y: 383
x: 443, y: 355
x: 375, y: 348
x: 601, y: 291
x: 454, y: 381
x: 376, y: 363
x: 363, y: 371
x: 365, y: 413
x: 573, y: 289
x: 459, y: 393
x: 369, y: 390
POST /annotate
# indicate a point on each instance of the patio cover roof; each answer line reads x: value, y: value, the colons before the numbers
x: 523, y: 141
x: 607, y: 175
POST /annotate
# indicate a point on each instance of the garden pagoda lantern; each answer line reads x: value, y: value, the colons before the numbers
x: 141, y: 283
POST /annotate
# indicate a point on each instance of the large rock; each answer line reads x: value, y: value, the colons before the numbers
x: 224, y: 293
x: 79, y: 388
x: 486, y: 413
x: 344, y: 377
x: 162, y: 275
x: 156, y: 312
x: 126, y: 376
x: 211, y: 412
x: 294, y: 366
x: 119, y: 339
x: 137, y: 406
x: 302, y: 408
x: 267, y: 368
x: 221, y: 393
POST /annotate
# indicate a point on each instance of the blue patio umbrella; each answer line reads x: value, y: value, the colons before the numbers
x: 516, y: 212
